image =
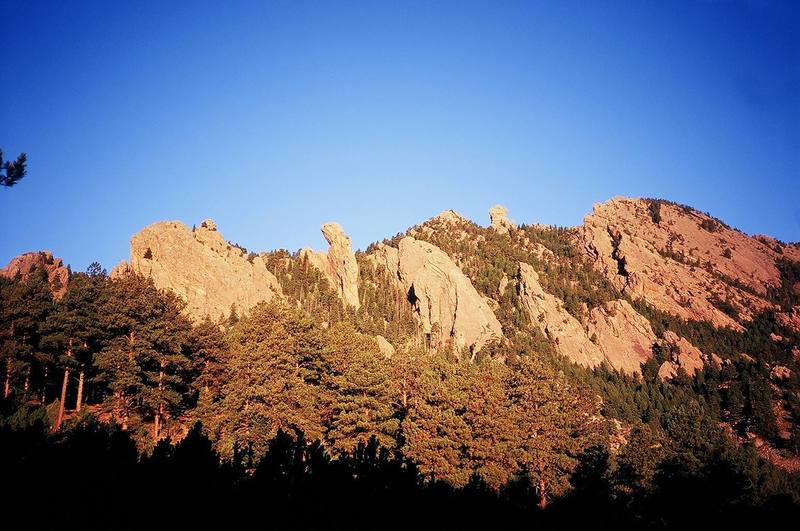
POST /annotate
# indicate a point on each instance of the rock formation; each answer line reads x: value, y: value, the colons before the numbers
x: 614, y: 333
x: 339, y: 264
x: 386, y: 348
x: 25, y: 264
x: 681, y: 261
x: 498, y: 215
x: 209, y: 273
x: 682, y: 355
x: 548, y: 313
x: 443, y: 299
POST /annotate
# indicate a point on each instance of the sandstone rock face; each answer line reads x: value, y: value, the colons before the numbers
x: 443, y: 300
x: 684, y: 355
x: 339, y: 264
x: 614, y: 333
x: 548, y: 313
x: 684, y: 263
x: 25, y: 264
x: 498, y: 215
x: 210, y: 274
x: 625, y: 336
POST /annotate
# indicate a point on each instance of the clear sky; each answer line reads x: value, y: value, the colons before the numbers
x: 274, y: 117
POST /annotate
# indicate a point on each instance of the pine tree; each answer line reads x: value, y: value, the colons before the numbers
x: 75, y: 332
x: 144, y: 363
x: 275, y: 367
x: 555, y: 423
x: 435, y: 430
x: 359, y: 393
x: 25, y: 307
x: 11, y: 172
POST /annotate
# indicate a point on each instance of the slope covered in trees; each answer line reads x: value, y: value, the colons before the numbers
x: 299, y: 396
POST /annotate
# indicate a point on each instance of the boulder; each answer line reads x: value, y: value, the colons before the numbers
x: 443, y: 300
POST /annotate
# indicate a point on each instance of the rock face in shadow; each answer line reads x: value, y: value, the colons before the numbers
x: 682, y: 261
x: 339, y: 264
x: 444, y: 301
x: 26, y: 264
x: 209, y: 273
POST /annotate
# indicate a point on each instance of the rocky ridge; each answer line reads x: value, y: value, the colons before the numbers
x: 210, y: 274
x: 25, y: 264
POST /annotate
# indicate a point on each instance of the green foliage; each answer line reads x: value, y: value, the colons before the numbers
x: 654, y: 209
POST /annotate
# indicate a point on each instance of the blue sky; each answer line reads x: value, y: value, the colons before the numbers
x: 274, y: 117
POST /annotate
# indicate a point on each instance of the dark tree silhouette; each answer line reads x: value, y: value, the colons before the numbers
x: 12, y: 172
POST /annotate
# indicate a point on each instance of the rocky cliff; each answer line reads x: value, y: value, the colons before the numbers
x: 682, y: 261
x: 209, y: 273
x: 338, y: 265
x: 444, y: 301
x: 25, y: 264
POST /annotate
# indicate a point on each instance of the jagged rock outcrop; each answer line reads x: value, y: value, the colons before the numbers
x: 339, y: 264
x: 682, y: 355
x: 548, y: 313
x: 25, y: 264
x: 680, y: 260
x: 209, y: 273
x: 614, y: 333
x: 624, y: 336
x: 443, y: 299
x: 498, y: 215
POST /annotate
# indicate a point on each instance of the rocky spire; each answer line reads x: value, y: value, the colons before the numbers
x: 339, y: 264
x: 498, y: 215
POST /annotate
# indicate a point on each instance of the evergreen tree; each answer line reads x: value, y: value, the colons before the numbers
x: 555, y: 424
x: 435, y: 430
x: 359, y: 391
x: 11, y: 172
x: 144, y: 363
x: 275, y: 366
x: 25, y: 307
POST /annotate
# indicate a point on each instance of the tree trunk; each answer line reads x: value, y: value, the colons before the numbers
x: 64, y: 384
x: 160, y: 412
x: 7, y: 385
x: 27, y: 383
x: 60, y: 418
x: 542, y: 488
x: 80, y: 389
x: 44, y: 384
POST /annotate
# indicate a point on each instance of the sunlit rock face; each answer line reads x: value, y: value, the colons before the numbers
x: 498, y: 216
x: 24, y: 265
x: 444, y: 301
x: 682, y: 261
x: 338, y: 265
x: 614, y: 333
x: 209, y: 273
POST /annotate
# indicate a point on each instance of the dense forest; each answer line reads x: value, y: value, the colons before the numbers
x: 293, y: 408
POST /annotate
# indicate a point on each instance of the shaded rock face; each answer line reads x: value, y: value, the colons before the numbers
x: 443, y: 299
x: 614, y: 333
x: 498, y: 215
x: 201, y: 267
x: 25, y: 264
x: 681, y: 261
x: 339, y: 264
